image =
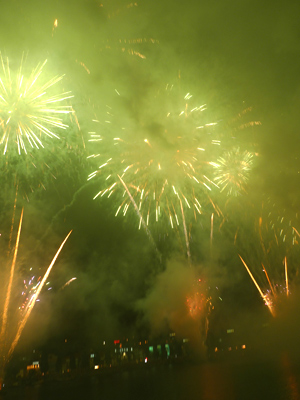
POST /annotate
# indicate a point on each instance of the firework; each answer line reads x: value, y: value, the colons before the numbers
x: 162, y: 155
x: 30, y: 113
x: 6, y: 346
x: 197, y: 301
x: 32, y: 117
x: 278, y: 241
x: 271, y: 275
x: 30, y: 287
x: 233, y: 166
x: 264, y: 296
x: 272, y: 260
x: 232, y: 171
x: 238, y: 126
x: 199, y: 306
x: 34, y: 298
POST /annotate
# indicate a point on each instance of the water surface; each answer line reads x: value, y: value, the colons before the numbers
x: 221, y: 380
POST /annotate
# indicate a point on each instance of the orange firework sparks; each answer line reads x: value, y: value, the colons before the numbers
x: 271, y: 286
x: 265, y: 297
x: 195, y: 300
x: 194, y: 304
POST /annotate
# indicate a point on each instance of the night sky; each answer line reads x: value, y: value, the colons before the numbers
x: 231, y: 56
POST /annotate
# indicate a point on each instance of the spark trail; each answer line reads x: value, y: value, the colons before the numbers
x: 8, y: 293
x: 286, y: 276
x: 264, y: 297
x: 68, y: 282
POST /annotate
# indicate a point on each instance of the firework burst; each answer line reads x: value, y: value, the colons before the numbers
x: 161, y: 153
x: 232, y: 171
x: 30, y: 111
x: 31, y: 117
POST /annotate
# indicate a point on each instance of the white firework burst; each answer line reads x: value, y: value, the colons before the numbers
x: 30, y: 110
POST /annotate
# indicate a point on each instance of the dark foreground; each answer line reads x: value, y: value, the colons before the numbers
x: 220, y: 380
